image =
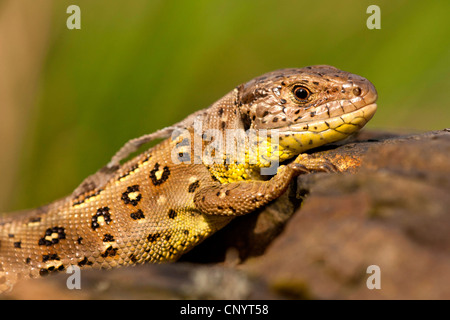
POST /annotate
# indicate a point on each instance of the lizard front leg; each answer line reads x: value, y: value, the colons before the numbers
x: 242, y: 197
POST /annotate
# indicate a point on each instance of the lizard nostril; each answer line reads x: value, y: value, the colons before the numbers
x: 357, y: 91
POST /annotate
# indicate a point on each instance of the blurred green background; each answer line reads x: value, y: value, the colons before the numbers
x: 70, y: 98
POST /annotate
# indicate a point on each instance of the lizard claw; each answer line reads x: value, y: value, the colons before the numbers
x: 306, y: 164
x: 327, y: 166
x: 299, y: 168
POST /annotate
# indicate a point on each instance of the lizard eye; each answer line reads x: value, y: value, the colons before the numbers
x: 301, y: 93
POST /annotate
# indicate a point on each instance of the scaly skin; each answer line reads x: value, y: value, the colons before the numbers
x: 154, y: 209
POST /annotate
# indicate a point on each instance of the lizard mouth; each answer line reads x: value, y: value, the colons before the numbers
x: 302, y: 136
x: 345, y: 123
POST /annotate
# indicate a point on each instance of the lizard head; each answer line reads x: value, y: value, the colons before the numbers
x: 309, y: 107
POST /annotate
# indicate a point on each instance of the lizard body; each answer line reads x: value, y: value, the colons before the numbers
x: 160, y: 204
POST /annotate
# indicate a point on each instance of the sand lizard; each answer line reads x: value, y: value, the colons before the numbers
x: 154, y: 209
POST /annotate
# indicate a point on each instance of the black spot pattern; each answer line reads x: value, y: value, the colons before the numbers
x: 84, y: 262
x: 43, y: 272
x: 46, y: 271
x: 146, y: 158
x: 172, y: 214
x: 78, y: 202
x: 164, y: 176
x: 193, y: 186
x: 137, y: 215
x: 109, y: 252
x: 108, y: 238
x: 47, y: 257
x: 130, y: 171
x: 152, y: 237
x: 126, y: 195
x: 59, y: 235
x: 34, y: 220
x: 100, y: 212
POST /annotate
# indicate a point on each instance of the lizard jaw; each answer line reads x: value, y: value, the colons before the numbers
x: 300, y: 137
